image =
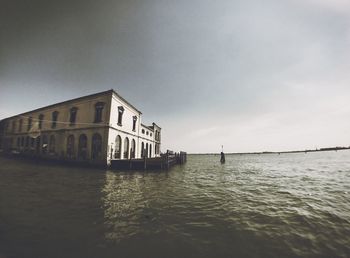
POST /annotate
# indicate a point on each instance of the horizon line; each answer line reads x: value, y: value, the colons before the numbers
x: 275, y: 152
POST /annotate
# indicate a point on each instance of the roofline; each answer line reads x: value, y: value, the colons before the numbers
x: 156, y: 125
x: 63, y: 102
x: 149, y: 128
x: 126, y: 101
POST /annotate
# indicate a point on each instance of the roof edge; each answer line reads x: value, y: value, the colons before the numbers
x: 127, y: 102
x: 60, y: 103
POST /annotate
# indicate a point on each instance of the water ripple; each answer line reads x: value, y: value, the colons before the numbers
x: 292, y: 205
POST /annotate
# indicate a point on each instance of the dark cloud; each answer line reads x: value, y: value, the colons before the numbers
x: 222, y: 65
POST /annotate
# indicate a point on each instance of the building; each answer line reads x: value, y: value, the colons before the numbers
x: 91, y: 129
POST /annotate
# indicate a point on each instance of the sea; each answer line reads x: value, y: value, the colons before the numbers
x: 287, y: 205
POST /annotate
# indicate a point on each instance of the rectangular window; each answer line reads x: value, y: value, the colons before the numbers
x: 13, y: 126
x: 120, y: 115
x: 41, y: 118
x: 98, y: 112
x: 20, y: 125
x: 73, y: 115
x: 54, y: 119
x: 29, y: 124
x: 134, y: 119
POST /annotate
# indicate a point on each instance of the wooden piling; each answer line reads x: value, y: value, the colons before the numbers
x: 165, y: 161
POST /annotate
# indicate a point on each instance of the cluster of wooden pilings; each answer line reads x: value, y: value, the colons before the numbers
x: 170, y: 159
x: 165, y: 161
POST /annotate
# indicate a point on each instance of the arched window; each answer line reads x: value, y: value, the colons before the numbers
x: 70, y: 146
x: 96, y: 147
x: 118, y: 147
x: 98, y: 112
x: 126, y: 148
x: 142, y: 148
x: 146, y: 150
x: 52, y: 144
x: 44, y: 145
x: 82, y: 147
x: 133, y: 145
x: 150, y: 150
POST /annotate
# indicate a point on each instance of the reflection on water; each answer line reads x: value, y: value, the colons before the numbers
x: 294, y: 205
x: 124, y: 205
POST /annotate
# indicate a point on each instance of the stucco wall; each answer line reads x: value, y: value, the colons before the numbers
x: 84, y: 124
x: 125, y: 130
x: 109, y: 129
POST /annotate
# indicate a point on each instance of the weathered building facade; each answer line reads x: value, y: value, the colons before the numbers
x: 91, y: 129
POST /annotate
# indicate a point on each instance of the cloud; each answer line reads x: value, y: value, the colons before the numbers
x: 342, y: 6
x: 251, y: 75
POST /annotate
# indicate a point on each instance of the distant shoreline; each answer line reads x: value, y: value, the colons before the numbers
x: 277, y: 152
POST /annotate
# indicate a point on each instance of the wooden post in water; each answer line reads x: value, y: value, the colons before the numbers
x: 163, y: 162
x: 182, y: 157
x: 144, y: 163
x: 167, y: 161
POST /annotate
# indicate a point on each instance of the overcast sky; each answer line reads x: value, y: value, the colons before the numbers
x: 251, y: 75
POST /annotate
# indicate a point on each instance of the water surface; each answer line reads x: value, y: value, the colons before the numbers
x: 288, y: 205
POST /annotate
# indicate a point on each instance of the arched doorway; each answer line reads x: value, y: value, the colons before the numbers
x: 70, y: 146
x: 44, y: 145
x: 82, y: 147
x: 118, y: 147
x: 150, y: 150
x: 146, y: 150
x: 96, y: 147
x: 142, y: 150
x: 126, y: 148
x: 37, y: 145
x: 52, y: 144
x: 27, y: 142
x: 133, y: 147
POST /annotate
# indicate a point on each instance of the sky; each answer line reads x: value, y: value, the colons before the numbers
x: 250, y: 75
